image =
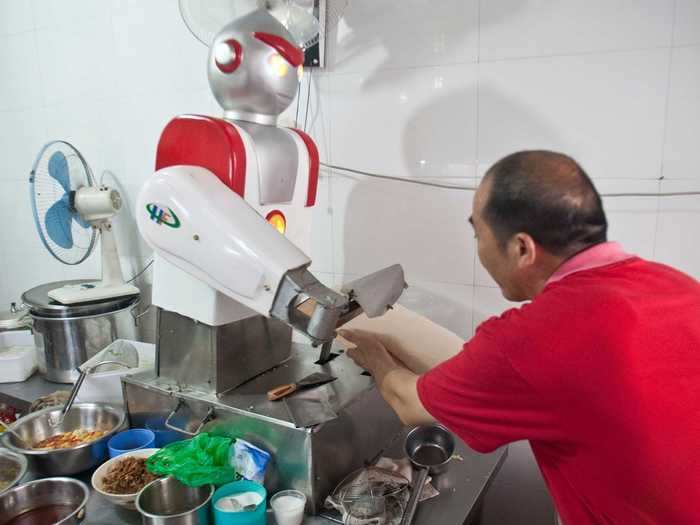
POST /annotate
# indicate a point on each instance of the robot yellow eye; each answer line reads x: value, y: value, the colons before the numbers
x: 279, y: 65
x: 278, y: 221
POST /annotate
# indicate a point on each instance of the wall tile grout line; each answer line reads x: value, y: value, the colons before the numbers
x: 664, y: 134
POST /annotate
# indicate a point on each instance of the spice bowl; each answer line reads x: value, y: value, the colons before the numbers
x: 98, y: 477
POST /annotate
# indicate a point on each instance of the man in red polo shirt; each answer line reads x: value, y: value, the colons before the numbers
x: 600, y: 371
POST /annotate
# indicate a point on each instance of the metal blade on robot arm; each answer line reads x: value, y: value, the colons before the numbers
x: 316, y: 310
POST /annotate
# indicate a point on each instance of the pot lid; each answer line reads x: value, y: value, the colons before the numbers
x: 40, y: 304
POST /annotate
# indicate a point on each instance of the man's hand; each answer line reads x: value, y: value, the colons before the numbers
x: 370, y: 354
x: 396, y: 383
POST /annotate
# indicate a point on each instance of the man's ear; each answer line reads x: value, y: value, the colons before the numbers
x: 525, y: 249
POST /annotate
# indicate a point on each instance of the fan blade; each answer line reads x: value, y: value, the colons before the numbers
x: 58, y: 169
x: 58, y: 223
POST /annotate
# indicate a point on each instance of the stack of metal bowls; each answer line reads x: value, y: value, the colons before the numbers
x: 13, y: 468
x: 51, y: 500
x: 36, y: 427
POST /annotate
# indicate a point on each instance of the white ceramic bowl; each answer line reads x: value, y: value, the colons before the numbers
x: 125, y: 500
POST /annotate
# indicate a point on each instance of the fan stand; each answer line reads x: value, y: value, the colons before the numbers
x: 112, y: 284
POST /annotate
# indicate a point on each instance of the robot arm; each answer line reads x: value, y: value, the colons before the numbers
x: 195, y: 222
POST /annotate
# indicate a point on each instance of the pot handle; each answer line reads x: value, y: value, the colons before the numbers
x: 416, y: 491
x: 208, y: 417
x: 80, y: 516
x: 25, y: 320
x: 138, y: 316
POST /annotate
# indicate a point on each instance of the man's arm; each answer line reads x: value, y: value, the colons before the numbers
x: 415, y: 341
x: 397, y: 384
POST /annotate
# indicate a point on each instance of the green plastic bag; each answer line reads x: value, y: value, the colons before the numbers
x: 195, y: 462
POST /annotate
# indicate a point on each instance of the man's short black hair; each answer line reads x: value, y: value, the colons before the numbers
x: 548, y: 196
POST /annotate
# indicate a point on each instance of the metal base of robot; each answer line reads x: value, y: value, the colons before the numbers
x: 310, y: 459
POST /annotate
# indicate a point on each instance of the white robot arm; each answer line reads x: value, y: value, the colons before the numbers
x: 196, y: 223
x: 192, y: 220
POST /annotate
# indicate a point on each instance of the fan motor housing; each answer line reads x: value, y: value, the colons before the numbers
x: 97, y: 203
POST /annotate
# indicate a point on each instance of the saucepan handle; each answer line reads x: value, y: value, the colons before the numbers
x: 208, y: 417
x: 416, y: 491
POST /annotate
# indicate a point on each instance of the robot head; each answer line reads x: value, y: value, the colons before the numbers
x: 254, y: 68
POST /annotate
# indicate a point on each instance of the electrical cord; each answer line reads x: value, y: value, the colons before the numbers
x: 308, y: 100
x: 141, y: 272
x: 473, y: 188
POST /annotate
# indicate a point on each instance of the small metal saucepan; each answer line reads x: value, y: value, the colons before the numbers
x: 429, y: 448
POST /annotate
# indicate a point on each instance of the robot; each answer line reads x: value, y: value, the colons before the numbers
x: 228, y: 215
x: 216, y: 261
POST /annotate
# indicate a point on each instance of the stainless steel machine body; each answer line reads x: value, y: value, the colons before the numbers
x: 312, y: 460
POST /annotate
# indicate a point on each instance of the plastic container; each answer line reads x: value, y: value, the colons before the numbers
x: 133, y: 439
x: 288, y: 506
x: 253, y: 517
x: 18, y: 359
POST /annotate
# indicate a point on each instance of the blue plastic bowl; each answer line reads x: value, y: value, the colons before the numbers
x: 253, y: 517
x: 129, y: 440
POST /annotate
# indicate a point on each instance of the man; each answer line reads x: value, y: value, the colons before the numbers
x: 600, y: 371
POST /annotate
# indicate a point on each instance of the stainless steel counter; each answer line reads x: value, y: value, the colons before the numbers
x: 461, y: 487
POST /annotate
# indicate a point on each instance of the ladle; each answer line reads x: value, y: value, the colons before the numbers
x: 429, y: 448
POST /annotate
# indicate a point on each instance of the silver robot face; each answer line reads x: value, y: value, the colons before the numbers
x: 254, y: 68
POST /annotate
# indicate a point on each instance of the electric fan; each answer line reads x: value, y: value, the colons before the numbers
x: 69, y: 210
x: 205, y: 19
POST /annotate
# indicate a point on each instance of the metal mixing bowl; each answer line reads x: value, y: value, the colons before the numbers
x: 13, y: 467
x: 35, y: 427
x: 39, y: 496
x: 166, y: 501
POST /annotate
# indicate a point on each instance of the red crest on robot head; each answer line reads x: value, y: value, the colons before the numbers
x: 285, y: 48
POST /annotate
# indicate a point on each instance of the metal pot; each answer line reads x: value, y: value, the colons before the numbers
x: 13, y: 468
x: 40, y: 495
x: 166, y: 501
x: 430, y: 449
x: 35, y: 427
x: 68, y: 335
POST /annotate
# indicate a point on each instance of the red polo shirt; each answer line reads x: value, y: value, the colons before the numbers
x: 601, y: 373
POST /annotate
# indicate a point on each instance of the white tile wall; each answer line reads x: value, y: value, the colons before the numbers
x: 417, y: 122
x: 16, y: 17
x: 687, y: 23
x: 428, y: 90
x: 402, y: 34
x: 152, y: 49
x: 681, y: 151
x: 632, y: 221
x: 20, y: 133
x: 676, y: 235
x: 607, y: 110
x: 424, y: 229
x: 20, y: 81
x: 517, y: 28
